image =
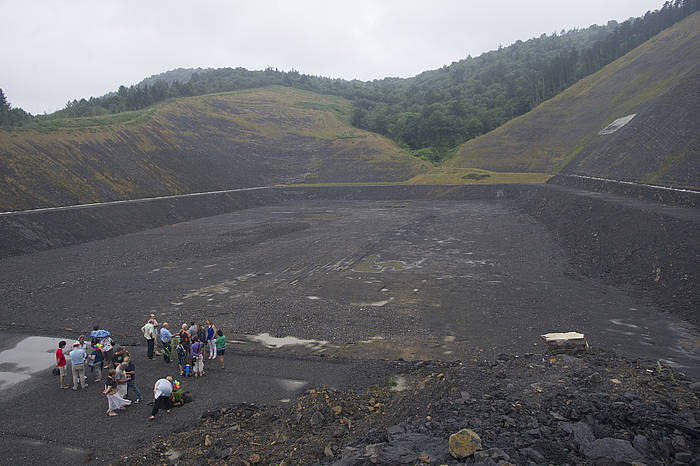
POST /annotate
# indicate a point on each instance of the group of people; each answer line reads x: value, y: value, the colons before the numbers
x: 188, y: 346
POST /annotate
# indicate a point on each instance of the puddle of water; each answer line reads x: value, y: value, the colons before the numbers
x: 375, y: 303
x: 31, y: 355
x: 623, y: 324
x: 373, y: 339
x: 208, y: 291
x: 279, y: 342
x: 370, y: 265
x: 292, y: 385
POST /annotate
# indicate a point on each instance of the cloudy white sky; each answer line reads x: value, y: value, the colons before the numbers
x: 56, y: 51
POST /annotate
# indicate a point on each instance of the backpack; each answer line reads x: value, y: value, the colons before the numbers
x: 180, y: 351
x: 188, y: 371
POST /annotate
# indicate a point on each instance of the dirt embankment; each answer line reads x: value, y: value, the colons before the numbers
x: 669, y: 196
x: 648, y: 248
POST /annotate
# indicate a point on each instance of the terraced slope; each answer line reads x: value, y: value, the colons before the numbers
x: 658, y: 81
x: 220, y: 141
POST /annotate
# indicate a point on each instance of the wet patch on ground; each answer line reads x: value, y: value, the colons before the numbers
x: 28, y: 357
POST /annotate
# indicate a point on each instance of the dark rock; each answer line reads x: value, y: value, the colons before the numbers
x: 509, y: 421
x: 495, y: 454
x: 612, y: 449
x: 395, y: 430
x: 532, y: 454
x: 557, y: 416
x: 641, y: 443
x: 582, y: 433
x: 683, y: 457
x: 317, y: 419
x: 225, y: 453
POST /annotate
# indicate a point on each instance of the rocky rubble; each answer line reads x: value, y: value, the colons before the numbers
x: 594, y: 409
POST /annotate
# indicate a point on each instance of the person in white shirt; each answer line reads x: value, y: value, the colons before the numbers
x: 162, y: 390
x: 149, y: 333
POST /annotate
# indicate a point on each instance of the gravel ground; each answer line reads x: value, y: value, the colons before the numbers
x: 375, y: 280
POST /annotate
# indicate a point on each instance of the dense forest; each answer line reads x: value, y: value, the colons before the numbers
x: 434, y: 111
x: 9, y: 116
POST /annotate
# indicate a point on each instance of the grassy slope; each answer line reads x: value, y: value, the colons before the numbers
x: 548, y: 137
x: 220, y: 141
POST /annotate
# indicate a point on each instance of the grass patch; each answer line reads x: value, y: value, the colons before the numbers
x: 335, y: 108
x: 86, y: 123
x: 450, y: 175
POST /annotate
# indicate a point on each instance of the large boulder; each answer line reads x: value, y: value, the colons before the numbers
x: 464, y: 443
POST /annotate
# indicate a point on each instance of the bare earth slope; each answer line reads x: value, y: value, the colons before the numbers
x: 221, y: 141
x: 657, y: 81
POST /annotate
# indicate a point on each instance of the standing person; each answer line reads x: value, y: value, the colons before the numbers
x: 130, y: 371
x: 202, y: 334
x: 166, y: 338
x: 77, y: 360
x: 119, y: 356
x: 95, y: 362
x: 156, y: 332
x: 122, y: 379
x: 114, y: 401
x: 61, y: 364
x: 220, y: 346
x: 192, y: 330
x: 107, y: 351
x: 161, y: 394
x: 149, y: 334
x: 197, y: 357
x: 181, y: 356
x: 184, y: 337
x: 85, y: 346
x: 211, y: 335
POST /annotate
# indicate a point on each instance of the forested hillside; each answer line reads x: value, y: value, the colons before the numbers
x: 437, y: 110
x: 653, y: 90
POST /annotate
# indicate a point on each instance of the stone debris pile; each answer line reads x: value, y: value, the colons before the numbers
x: 596, y: 408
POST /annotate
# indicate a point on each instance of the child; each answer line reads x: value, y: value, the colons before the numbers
x: 198, y: 357
x: 181, y: 354
x: 95, y: 361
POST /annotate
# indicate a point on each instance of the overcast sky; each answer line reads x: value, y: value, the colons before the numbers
x: 56, y: 51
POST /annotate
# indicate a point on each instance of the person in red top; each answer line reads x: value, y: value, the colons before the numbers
x: 61, y: 364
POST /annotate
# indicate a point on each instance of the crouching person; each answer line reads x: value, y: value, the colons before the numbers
x: 162, y: 390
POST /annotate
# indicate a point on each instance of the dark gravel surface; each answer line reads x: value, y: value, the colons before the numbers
x: 477, y: 274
